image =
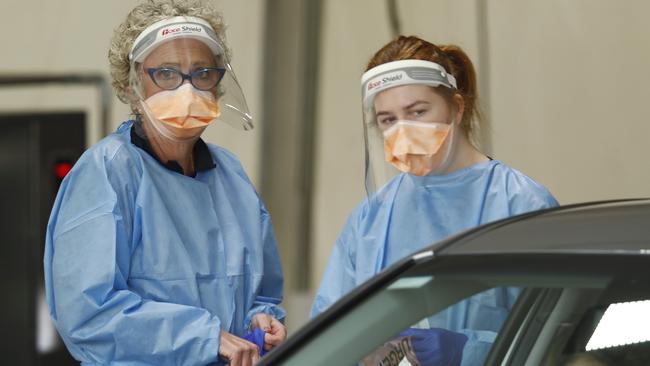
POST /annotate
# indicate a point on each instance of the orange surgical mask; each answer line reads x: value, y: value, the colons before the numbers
x: 183, y: 113
x: 414, y: 147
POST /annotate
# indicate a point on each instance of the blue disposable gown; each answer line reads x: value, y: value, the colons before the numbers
x: 144, y: 266
x: 411, y: 212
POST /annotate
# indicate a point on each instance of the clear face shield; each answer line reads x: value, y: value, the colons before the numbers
x: 408, y: 121
x: 183, y: 80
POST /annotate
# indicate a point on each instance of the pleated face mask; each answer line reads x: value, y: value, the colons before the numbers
x: 182, y: 113
x: 414, y: 147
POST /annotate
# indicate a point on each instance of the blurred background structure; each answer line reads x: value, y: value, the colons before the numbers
x: 563, y: 86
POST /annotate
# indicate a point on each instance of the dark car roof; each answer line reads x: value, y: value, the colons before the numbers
x: 610, y: 227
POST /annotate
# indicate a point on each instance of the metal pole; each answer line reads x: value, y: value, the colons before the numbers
x: 484, y: 69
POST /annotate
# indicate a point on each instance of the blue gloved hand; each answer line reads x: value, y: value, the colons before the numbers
x: 436, y: 346
x: 256, y: 337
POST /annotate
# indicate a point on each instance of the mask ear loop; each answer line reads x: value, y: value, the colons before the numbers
x: 135, y: 82
x: 450, y: 151
x: 136, y: 96
x: 452, y: 144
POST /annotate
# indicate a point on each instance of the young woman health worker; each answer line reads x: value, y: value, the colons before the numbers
x: 426, y: 180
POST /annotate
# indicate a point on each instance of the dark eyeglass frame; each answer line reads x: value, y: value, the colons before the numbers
x: 152, y: 70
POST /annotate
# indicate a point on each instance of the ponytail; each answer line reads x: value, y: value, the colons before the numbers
x: 463, y: 70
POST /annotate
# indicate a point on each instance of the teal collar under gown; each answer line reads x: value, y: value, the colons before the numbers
x: 144, y: 265
x: 412, y: 212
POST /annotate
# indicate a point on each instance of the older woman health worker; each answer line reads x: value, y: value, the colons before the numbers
x: 159, y: 251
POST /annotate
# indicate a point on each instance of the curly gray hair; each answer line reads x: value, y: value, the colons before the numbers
x: 142, y: 16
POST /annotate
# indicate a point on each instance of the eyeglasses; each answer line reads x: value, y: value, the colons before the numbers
x: 204, y: 78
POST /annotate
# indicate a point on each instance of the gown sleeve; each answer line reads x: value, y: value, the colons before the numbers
x: 339, y: 276
x: 269, y: 295
x: 526, y: 195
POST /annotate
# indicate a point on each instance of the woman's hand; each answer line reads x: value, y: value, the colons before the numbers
x: 237, y: 351
x: 276, y: 332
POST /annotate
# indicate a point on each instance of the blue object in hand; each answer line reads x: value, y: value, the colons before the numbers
x: 435, y: 346
x: 256, y: 337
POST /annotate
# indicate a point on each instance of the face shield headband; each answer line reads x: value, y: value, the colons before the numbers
x: 403, y: 72
x: 234, y: 109
x: 168, y: 29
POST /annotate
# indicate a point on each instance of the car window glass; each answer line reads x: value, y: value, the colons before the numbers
x: 607, y: 334
x: 584, y: 326
x: 463, y: 332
